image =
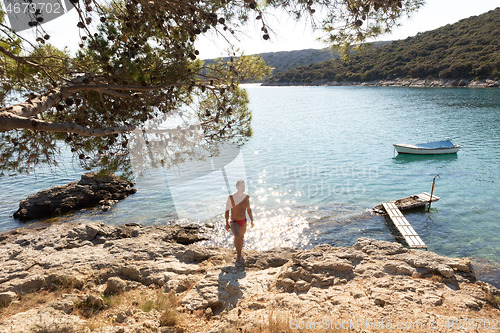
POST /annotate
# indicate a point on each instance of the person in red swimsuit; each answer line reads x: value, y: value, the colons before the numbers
x: 238, y: 204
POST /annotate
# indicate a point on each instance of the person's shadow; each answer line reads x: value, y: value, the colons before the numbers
x: 229, y: 290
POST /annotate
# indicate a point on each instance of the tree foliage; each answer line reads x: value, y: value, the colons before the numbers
x: 137, y: 66
x: 468, y: 49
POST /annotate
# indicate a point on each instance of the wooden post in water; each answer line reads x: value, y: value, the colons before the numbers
x: 432, y: 189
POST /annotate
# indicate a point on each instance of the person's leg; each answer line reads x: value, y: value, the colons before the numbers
x: 236, y: 229
x: 237, y: 245
x: 241, y: 240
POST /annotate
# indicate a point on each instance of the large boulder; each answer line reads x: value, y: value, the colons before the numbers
x: 92, y: 189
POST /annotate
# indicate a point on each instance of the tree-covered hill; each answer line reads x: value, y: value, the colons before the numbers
x: 286, y: 60
x: 468, y: 49
x: 282, y: 61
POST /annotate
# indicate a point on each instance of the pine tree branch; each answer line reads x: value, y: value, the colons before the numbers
x: 41, y: 103
x: 18, y: 59
x: 9, y: 121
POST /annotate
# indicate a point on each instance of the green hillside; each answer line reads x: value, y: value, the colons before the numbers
x: 286, y: 60
x: 468, y: 49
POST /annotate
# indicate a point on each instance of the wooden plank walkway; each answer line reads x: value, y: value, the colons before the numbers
x: 427, y: 197
x: 404, y: 227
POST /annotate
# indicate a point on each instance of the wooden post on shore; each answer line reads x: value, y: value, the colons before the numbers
x: 432, y: 189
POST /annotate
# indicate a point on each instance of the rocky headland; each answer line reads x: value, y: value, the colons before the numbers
x: 67, y: 277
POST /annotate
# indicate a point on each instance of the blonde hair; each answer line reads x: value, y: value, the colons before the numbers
x: 239, y: 182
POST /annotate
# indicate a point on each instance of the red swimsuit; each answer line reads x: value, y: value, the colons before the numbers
x: 240, y: 222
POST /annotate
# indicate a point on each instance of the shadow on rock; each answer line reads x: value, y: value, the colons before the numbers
x: 229, y: 291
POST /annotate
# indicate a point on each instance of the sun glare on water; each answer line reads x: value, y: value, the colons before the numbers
x: 278, y: 228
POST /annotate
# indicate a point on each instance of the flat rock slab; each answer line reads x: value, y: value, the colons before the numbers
x: 91, y: 190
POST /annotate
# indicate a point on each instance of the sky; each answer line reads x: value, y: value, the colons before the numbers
x: 290, y: 35
x: 295, y: 36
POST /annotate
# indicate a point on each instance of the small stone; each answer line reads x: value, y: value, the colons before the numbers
x: 115, y: 285
x: 462, y: 265
x: 285, y: 283
x: 66, y: 304
x: 94, y: 302
x: 256, y: 306
x: 379, y: 301
x: 433, y: 300
x: 302, y: 286
x: 357, y: 294
x: 445, y: 271
x: 209, y: 312
x: 472, y: 304
x: 399, y: 268
x: 121, y: 317
x: 6, y: 298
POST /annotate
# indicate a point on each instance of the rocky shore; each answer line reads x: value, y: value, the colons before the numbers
x: 96, y: 278
x: 398, y: 82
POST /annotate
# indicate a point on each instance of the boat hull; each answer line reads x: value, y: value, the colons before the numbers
x: 407, y: 149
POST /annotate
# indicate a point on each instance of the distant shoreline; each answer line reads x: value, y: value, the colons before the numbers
x: 397, y: 83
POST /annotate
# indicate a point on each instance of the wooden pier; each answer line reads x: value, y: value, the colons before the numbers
x: 413, y: 201
x: 410, y: 235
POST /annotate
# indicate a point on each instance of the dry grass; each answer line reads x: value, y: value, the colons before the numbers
x: 63, y: 282
x: 169, y: 315
x: 98, y: 322
x: 116, y: 300
x: 437, y: 278
x: 91, y: 305
x: 146, y: 300
x: 165, y: 304
x: 494, y: 301
x: 54, y: 287
x: 29, y: 301
x: 278, y: 322
x: 55, y: 327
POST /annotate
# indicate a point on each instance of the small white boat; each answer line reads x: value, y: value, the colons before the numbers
x: 429, y: 148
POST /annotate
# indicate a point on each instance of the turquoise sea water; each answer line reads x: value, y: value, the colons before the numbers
x: 320, y: 157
